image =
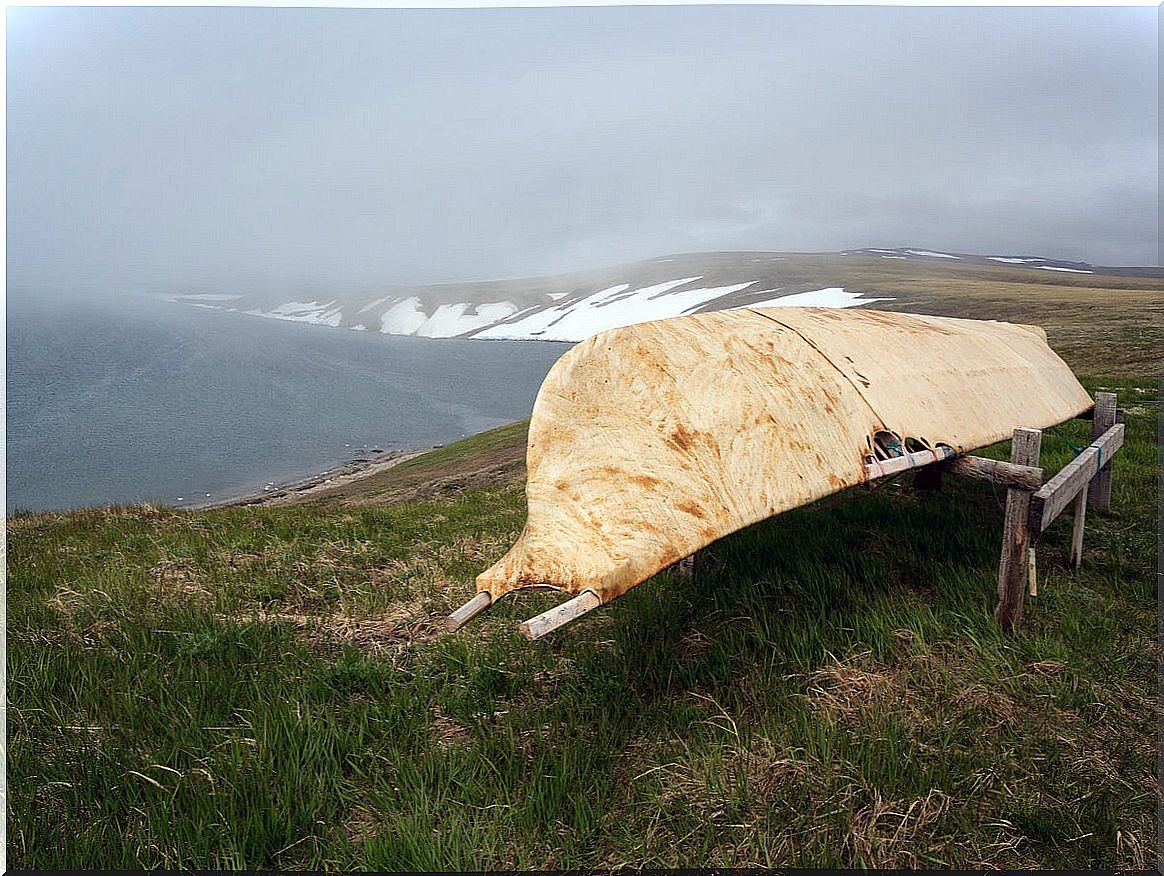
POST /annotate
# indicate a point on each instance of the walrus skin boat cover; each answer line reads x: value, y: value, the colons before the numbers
x: 651, y: 441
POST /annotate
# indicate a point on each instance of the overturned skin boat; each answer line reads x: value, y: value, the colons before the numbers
x: 649, y: 442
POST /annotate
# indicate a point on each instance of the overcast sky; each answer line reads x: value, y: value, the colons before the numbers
x: 244, y: 148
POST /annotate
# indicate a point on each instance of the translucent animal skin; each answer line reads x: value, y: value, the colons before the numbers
x: 649, y: 442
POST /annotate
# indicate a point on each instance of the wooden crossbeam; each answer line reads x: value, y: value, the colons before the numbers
x: 1055, y: 495
x: 1022, y: 477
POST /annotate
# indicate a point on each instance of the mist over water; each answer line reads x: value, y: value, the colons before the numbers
x: 152, y: 401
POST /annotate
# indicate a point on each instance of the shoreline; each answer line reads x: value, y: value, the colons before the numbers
x: 314, y: 484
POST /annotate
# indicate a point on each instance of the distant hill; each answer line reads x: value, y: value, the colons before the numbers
x: 570, y: 307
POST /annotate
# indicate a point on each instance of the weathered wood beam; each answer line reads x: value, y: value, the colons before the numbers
x: 1099, y: 494
x: 1014, y: 565
x: 548, y: 621
x: 1023, y: 477
x: 895, y: 465
x: 1056, y: 494
x: 468, y: 611
x: 1077, y: 529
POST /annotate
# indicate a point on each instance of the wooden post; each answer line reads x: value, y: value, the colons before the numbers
x: 1077, y: 531
x: 1099, y: 493
x: 1012, y: 570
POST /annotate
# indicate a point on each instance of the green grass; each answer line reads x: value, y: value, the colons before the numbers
x: 269, y: 688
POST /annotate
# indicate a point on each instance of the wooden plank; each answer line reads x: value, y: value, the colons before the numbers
x: 1024, y: 477
x: 1032, y: 575
x: 468, y: 611
x: 1056, y: 494
x: 1013, y: 566
x: 1077, y: 531
x: 1099, y: 494
x: 897, y: 464
x: 548, y: 621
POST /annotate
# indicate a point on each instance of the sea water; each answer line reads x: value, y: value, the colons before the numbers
x: 147, y: 400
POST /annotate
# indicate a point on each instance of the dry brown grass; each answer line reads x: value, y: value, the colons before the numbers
x: 854, y: 691
x: 893, y: 834
x: 178, y: 582
x: 401, y: 628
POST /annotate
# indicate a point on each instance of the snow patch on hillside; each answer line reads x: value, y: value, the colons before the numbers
x: 931, y: 254
x: 311, y: 312
x: 1065, y: 270
x: 407, y: 317
x: 616, y: 307
x: 610, y: 308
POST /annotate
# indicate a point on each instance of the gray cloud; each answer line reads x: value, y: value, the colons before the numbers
x: 262, y: 147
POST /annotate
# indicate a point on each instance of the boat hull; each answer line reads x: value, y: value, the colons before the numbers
x: 649, y: 442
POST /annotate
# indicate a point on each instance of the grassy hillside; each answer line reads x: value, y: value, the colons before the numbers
x: 1121, y: 316
x: 1119, y: 306
x: 270, y: 687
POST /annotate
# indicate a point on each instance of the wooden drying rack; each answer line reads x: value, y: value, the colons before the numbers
x: 1031, y: 506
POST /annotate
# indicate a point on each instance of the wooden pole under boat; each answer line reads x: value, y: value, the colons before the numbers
x: 548, y: 621
x: 468, y: 611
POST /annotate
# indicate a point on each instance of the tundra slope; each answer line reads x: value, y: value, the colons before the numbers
x: 573, y: 306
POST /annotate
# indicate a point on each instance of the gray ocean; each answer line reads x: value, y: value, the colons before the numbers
x: 149, y: 401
